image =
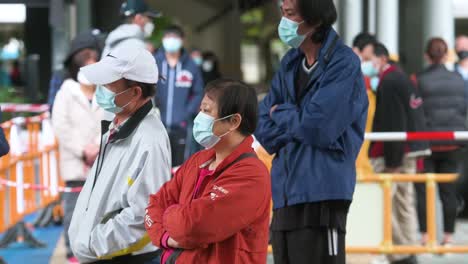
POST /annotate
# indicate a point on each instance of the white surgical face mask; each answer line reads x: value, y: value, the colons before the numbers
x: 203, y: 130
x: 207, y: 66
x: 82, y: 79
x: 288, y: 32
x: 172, y: 44
x: 148, y: 29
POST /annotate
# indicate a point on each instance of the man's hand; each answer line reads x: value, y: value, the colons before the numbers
x: 172, y: 243
x: 273, y: 109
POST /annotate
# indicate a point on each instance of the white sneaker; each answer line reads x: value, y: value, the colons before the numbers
x: 382, y: 259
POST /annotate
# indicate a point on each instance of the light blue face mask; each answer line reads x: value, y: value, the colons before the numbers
x: 198, y: 61
x: 374, y: 83
x: 172, y: 44
x: 105, y: 98
x: 203, y: 130
x: 287, y: 30
x: 368, y: 69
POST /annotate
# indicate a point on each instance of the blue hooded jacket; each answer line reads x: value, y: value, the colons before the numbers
x: 180, y: 93
x: 317, y: 140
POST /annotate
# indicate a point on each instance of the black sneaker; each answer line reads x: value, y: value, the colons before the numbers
x: 408, y: 260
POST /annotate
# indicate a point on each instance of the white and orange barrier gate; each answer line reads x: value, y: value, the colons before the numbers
x: 370, y: 218
x: 29, y: 174
x: 32, y: 162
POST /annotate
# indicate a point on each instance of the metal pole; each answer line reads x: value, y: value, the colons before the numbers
x: 431, y: 212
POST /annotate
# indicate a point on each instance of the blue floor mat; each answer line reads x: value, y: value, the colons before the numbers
x: 21, y: 254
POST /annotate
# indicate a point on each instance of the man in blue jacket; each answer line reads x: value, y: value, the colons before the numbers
x: 4, y: 147
x: 180, y: 92
x: 313, y: 119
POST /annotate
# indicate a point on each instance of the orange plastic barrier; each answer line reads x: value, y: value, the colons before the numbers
x: 387, y: 246
x: 32, y: 161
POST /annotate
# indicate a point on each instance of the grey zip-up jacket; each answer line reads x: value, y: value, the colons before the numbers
x: 108, y: 220
x: 124, y: 35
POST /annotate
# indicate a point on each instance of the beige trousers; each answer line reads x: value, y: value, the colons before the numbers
x: 404, y: 218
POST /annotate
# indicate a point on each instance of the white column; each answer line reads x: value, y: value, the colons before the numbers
x: 387, y: 25
x: 336, y: 26
x: 351, y: 23
x: 372, y: 16
x: 438, y: 21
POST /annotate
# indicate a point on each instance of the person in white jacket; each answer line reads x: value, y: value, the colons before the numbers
x: 134, y: 162
x: 76, y: 122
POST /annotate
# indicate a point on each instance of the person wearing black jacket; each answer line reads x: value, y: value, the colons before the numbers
x: 4, y: 147
x: 398, y: 108
x: 445, y: 109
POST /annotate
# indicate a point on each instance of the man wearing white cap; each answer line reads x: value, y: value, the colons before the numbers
x: 134, y: 161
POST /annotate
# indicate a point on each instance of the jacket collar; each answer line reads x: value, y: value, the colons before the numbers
x: 294, y: 59
x: 325, y: 52
x: 390, y: 69
x: 130, y: 125
x: 80, y: 97
x: 436, y: 67
x: 244, y: 147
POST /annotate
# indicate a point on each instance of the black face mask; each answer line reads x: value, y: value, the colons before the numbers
x: 462, y: 55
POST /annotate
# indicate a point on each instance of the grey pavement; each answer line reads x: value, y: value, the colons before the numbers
x: 461, y: 237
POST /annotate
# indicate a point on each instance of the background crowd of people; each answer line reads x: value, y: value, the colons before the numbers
x: 433, y: 100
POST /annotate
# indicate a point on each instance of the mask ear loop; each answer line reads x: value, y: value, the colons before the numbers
x: 129, y: 102
x: 226, y: 117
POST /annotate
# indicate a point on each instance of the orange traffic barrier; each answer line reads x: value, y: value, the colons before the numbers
x: 387, y: 246
x: 32, y: 162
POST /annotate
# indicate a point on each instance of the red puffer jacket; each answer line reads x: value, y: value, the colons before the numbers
x: 227, y: 221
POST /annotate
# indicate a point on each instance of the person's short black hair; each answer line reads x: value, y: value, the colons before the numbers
x: 148, y: 89
x: 321, y: 13
x: 235, y: 97
x: 174, y: 29
x: 380, y: 50
x: 364, y: 39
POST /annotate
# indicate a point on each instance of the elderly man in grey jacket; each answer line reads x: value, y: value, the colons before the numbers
x: 134, y: 161
x: 138, y: 26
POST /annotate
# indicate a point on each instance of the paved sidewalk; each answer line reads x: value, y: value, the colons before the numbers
x: 461, y: 236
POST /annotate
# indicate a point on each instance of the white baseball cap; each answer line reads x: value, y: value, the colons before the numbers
x: 135, y: 64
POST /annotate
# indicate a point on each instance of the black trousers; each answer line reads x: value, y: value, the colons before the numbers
x: 440, y: 162
x: 319, y: 245
x: 69, y: 202
x: 178, y: 140
x: 146, y: 258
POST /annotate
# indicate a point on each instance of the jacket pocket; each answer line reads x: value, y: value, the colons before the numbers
x: 337, y: 149
x: 252, y: 241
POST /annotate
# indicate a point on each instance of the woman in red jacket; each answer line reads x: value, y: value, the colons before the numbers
x: 217, y: 207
